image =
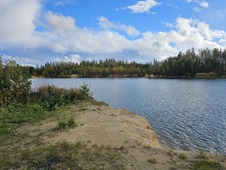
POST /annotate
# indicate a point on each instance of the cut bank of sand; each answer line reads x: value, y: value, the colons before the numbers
x: 127, y: 134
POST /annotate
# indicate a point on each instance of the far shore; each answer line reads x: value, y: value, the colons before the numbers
x: 150, y: 76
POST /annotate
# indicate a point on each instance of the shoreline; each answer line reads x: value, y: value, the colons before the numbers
x: 148, y: 77
x: 109, y: 138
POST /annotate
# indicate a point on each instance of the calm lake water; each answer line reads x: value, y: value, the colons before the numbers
x: 186, y: 114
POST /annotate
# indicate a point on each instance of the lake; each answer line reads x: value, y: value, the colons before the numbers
x: 188, y: 114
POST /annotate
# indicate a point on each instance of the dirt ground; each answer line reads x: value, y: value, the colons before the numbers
x: 103, y: 126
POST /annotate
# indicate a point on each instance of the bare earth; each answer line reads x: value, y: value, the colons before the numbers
x: 117, y: 128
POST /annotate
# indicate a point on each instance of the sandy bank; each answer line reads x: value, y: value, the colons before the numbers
x: 103, y: 125
x: 128, y: 134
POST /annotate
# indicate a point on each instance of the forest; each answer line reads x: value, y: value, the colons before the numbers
x: 188, y: 64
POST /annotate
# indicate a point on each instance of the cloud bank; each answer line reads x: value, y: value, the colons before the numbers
x: 32, y: 28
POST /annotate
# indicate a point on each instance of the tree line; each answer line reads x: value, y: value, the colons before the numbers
x: 186, y: 64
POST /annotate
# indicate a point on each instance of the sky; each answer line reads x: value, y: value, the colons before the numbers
x: 34, y: 32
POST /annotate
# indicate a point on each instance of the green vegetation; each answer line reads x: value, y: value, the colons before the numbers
x: 64, y: 156
x: 183, y: 156
x: 14, y: 83
x: 51, y: 97
x: 69, y: 123
x: 206, y: 165
x: 202, y: 155
x: 15, y: 114
x: 21, y: 106
x: 152, y: 161
x: 18, y: 104
x: 186, y: 64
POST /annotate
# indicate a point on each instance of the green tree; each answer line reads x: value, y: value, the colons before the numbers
x: 14, y: 83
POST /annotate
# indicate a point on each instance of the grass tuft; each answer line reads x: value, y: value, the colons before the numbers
x: 206, y: 165
x: 152, y: 161
x: 67, y: 124
x: 65, y: 156
x: 201, y: 155
x: 183, y: 156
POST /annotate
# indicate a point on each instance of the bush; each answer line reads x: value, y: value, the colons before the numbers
x: 15, y: 87
x: 14, y: 83
x: 84, y: 92
x: 51, y: 97
x: 70, y: 123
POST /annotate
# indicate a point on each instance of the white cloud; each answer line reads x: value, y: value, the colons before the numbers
x: 169, y: 25
x: 106, y: 24
x: 18, y: 19
x: 197, y: 9
x: 188, y: 33
x: 65, y: 37
x: 75, y: 58
x: 197, y: 34
x: 204, y: 4
x: 22, y: 60
x: 201, y: 3
x: 60, y: 24
x: 143, y: 6
x: 59, y: 3
x: 62, y: 36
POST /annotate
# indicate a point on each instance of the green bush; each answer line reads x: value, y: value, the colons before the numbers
x: 69, y: 123
x: 18, y: 104
x: 14, y: 83
x: 84, y: 92
x: 16, y: 114
x: 52, y: 97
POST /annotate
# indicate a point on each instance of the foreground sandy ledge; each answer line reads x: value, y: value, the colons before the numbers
x: 99, y: 126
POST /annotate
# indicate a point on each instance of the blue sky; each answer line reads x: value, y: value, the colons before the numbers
x: 38, y: 31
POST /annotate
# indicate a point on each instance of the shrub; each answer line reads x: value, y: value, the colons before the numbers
x: 84, y: 92
x: 69, y: 123
x: 206, y: 165
x: 52, y: 97
x: 183, y: 156
x: 62, y: 125
x: 14, y: 83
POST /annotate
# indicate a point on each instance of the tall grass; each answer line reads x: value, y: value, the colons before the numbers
x: 39, y: 105
x: 52, y: 97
